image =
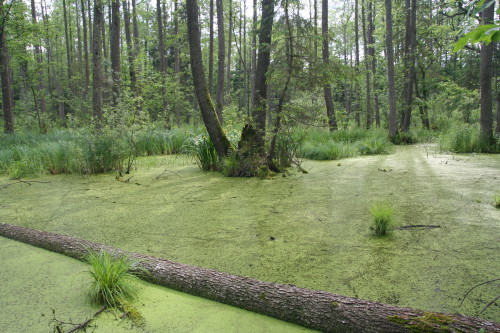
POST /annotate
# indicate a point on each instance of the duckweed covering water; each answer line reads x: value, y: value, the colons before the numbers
x: 311, y: 230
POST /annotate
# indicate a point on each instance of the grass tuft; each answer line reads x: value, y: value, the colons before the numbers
x: 383, y: 218
x: 496, y: 200
x: 112, y: 283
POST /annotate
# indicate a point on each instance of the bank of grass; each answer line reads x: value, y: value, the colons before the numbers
x: 324, y: 145
x: 465, y: 138
x: 84, y: 151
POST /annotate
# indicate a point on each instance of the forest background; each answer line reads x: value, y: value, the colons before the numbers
x: 87, y: 86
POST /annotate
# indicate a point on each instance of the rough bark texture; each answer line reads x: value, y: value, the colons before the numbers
x: 486, y: 119
x: 263, y: 61
x: 211, y: 49
x: 315, y: 309
x: 214, y: 128
x: 219, y: 97
x: 327, y: 90
x: 115, y: 50
x: 7, y: 98
x: 96, y: 62
x: 393, y: 122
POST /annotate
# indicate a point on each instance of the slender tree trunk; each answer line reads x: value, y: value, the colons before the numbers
x: 211, y: 50
x: 177, y: 63
x: 161, y: 39
x: 369, y: 116
x: 393, y: 122
x: 39, y: 59
x: 410, y: 43
x: 497, y: 130
x: 7, y: 98
x: 319, y: 310
x: 373, y: 58
x: 91, y: 34
x: 254, y: 50
x: 264, y: 59
x: 68, y: 49
x: 130, y: 48
x: 486, y: 118
x: 96, y: 62
x: 219, y: 99
x: 423, y: 108
x: 316, y: 28
x: 79, y: 38
x: 330, y: 112
x: 357, y: 115
x: 212, y: 124
x: 229, y: 49
x: 85, y: 47
x: 115, y: 50
x: 136, y: 28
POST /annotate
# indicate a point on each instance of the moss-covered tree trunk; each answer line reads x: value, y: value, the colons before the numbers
x: 214, y: 128
x: 315, y: 309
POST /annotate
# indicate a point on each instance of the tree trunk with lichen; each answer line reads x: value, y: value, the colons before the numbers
x: 315, y: 309
x: 212, y: 124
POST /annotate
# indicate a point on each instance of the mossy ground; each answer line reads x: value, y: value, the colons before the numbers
x: 311, y: 230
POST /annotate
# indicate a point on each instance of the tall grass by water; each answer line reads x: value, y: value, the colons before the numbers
x: 112, y: 280
x: 83, y: 151
x: 324, y: 145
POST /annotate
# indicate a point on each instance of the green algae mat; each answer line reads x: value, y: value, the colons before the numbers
x: 311, y: 230
x: 38, y: 285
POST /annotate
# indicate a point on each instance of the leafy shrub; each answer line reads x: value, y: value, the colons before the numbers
x: 383, y: 218
x: 374, y: 146
x: 112, y: 279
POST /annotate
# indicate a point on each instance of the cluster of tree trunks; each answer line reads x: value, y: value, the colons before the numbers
x: 319, y: 310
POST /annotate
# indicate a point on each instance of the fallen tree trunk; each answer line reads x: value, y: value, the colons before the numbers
x: 319, y: 310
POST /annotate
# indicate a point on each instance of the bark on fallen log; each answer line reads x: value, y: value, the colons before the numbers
x: 319, y: 310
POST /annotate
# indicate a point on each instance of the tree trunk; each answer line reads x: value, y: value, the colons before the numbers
x: 214, y: 129
x: 85, y: 47
x: 314, y: 309
x: 161, y: 40
x: 229, y: 48
x: 369, y: 116
x: 371, y: 53
x: 177, y: 62
x: 409, y: 56
x: 91, y: 35
x: 497, y: 130
x: 7, y: 100
x: 393, y: 122
x: 211, y: 50
x: 115, y: 50
x: 68, y: 49
x: 254, y: 50
x: 357, y: 116
x: 260, y: 86
x: 219, y: 98
x: 39, y: 60
x: 327, y: 90
x: 96, y: 62
x: 130, y: 48
x: 486, y: 118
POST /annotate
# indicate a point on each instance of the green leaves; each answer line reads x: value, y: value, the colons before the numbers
x: 484, y: 33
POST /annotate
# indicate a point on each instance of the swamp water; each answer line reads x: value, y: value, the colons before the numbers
x: 311, y: 230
